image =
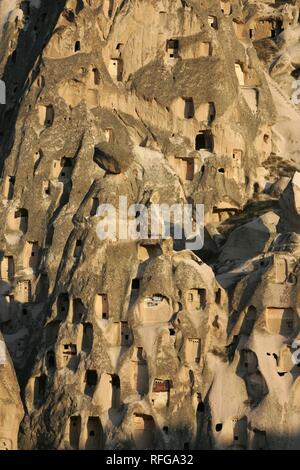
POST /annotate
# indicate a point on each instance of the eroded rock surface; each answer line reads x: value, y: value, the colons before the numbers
x: 132, y: 344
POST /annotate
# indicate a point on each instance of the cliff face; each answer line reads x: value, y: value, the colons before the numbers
x: 11, y: 408
x: 143, y: 343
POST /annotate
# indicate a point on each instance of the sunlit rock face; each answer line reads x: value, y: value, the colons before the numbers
x: 149, y: 342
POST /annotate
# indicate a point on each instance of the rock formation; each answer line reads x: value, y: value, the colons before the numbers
x: 145, y: 344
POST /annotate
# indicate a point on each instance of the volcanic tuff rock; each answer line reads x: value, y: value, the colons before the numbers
x: 143, y: 343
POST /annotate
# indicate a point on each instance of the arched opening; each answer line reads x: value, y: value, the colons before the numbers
x: 31, y: 255
x: 249, y: 320
x: 96, y: 76
x: 14, y: 57
x: 88, y: 337
x: 240, y: 434
x: 2, y: 92
x: 140, y: 371
x: 7, y: 268
x: 109, y: 135
x: 78, y: 310
x: 78, y: 249
x: 46, y: 115
x: 240, y: 74
x: 74, y: 431
x: 23, y: 292
x: 77, y: 46
x: 40, y: 384
x: 116, y: 391
x: 172, y: 47
x: 256, y: 387
x: 50, y: 360
x: 161, y: 392
x: 204, y: 141
x: 193, y: 350
x: 143, y: 431
x: 62, y: 305
x: 94, y: 434
x: 69, y: 15
x: 9, y: 186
